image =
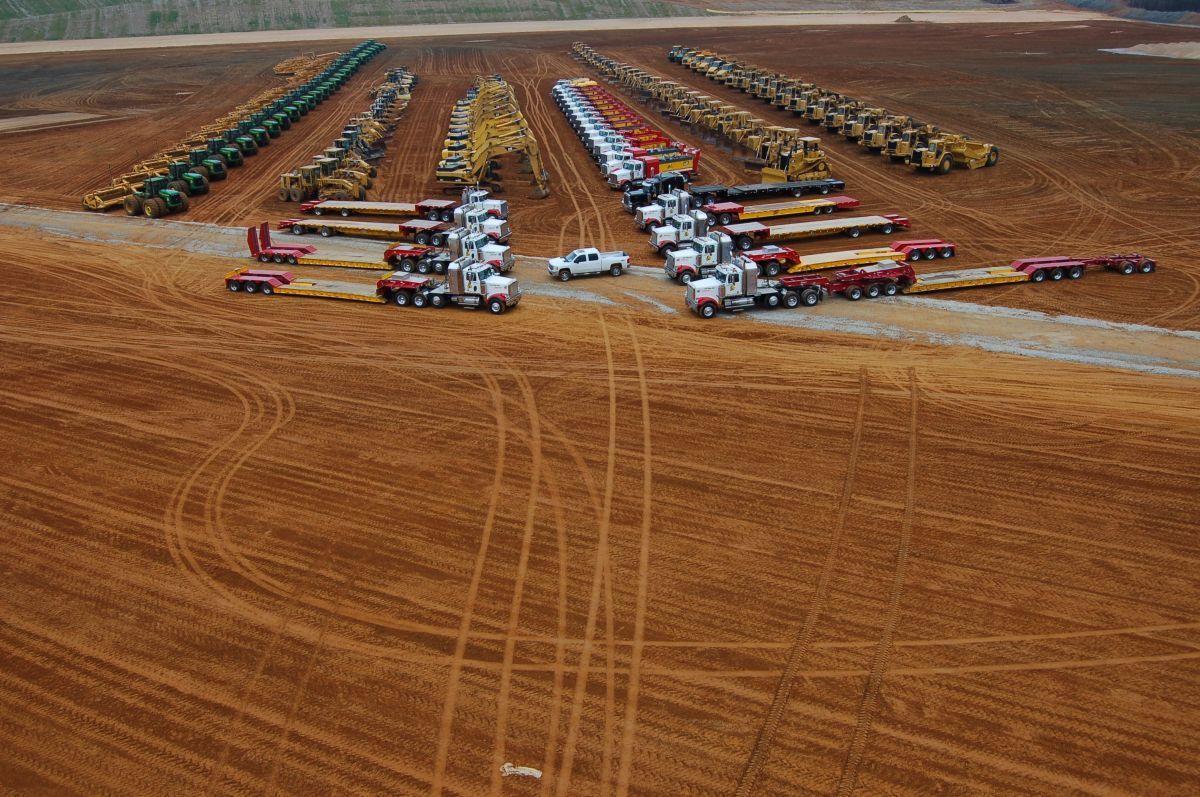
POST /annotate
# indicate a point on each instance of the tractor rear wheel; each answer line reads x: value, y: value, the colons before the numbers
x: 183, y: 203
x: 200, y: 170
x: 134, y: 205
x: 155, y: 207
x: 179, y: 185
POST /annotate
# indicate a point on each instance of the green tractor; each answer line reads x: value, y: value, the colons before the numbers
x: 244, y: 143
x: 272, y: 127
x: 230, y: 156
x: 156, y: 198
x: 209, y: 166
x: 184, y: 180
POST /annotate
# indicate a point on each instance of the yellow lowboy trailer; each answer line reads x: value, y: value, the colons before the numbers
x: 968, y: 278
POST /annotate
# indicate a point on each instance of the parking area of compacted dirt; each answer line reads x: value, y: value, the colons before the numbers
x: 284, y: 546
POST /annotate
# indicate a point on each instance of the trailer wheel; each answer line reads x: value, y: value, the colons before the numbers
x: 946, y: 252
x: 810, y: 297
x: 233, y: 285
x: 345, y: 212
x: 431, y: 215
x: 564, y: 275
x: 496, y: 306
x: 447, y: 215
x: 250, y: 287
x: 745, y: 243
x: 891, y: 289
x: 1126, y: 267
x: 726, y: 218
x: 771, y: 268
x: 915, y: 254
x: 406, y: 264
x: 266, y: 289
x: 420, y: 299
x: 422, y: 238
x: 1076, y: 272
x: 824, y: 190
x: 437, y: 300
x: 854, y: 232
x: 887, y: 229
x: 291, y: 259
x: 263, y: 257
x: 401, y: 298
x: 791, y: 300
x: 422, y: 266
x: 873, y: 291
x: 1146, y: 267
x: 279, y: 258
x: 854, y: 293
x: 297, y: 229
x: 317, y: 211
x: 1038, y: 276
x: 708, y: 310
x: 326, y: 232
x: 1056, y: 274
x: 439, y: 267
x: 615, y: 271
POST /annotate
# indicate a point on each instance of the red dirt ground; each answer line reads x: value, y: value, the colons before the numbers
x: 280, y: 547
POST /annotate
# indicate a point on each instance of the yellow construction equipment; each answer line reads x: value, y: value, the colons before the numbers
x: 942, y: 153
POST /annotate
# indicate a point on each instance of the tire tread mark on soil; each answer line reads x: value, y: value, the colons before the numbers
x: 869, y: 706
x: 804, y: 634
x: 445, y: 728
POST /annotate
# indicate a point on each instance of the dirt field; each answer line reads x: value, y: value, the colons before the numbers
x: 273, y: 546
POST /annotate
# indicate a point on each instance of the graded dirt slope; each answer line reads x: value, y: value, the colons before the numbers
x: 1097, y: 155
x: 274, y: 545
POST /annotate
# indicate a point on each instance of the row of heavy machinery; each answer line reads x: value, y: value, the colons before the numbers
x: 785, y: 153
x: 343, y: 171
x: 161, y: 184
x: 485, y: 125
x: 897, y: 136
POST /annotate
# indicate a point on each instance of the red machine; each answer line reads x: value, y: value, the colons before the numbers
x: 261, y: 248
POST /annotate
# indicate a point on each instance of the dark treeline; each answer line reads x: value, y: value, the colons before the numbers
x: 1166, y: 5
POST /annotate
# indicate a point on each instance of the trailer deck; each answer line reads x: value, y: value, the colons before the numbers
x: 332, y: 289
x: 433, y: 209
x: 966, y: 278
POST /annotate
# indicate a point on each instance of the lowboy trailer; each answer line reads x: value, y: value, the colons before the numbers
x: 707, y: 194
x: 423, y: 231
x: 732, y: 212
x: 431, y: 209
x: 749, y: 234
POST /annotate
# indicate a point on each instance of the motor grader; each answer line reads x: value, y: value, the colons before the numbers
x: 942, y: 153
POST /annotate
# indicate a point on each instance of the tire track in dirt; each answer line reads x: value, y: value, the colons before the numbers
x: 869, y: 705
x: 600, y: 564
x: 446, y: 726
x: 633, y: 690
x: 802, y: 641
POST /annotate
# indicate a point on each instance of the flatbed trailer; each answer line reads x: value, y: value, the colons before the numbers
x: 264, y: 250
x: 422, y: 231
x: 732, y: 212
x: 247, y: 280
x: 431, y: 209
x: 900, y: 250
x: 749, y: 234
x: 707, y: 194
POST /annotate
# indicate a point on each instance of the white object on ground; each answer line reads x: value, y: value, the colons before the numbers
x: 527, y: 772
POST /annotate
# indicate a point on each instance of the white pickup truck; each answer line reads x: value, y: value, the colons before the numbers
x: 586, y: 261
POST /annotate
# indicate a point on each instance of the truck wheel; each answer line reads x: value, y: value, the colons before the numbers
x: 437, y: 300
x: 1076, y: 272
x: 496, y: 306
x: 439, y: 267
x: 1038, y: 276
x: 1056, y: 274
x: 824, y: 190
x: 420, y: 299
x: 854, y: 232
x: 791, y: 300
x: 873, y: 291
x: 771, y: 300
x: 810, y: 297
x: 564, y: 275
x: 708, y: 311
x: 854, y: 293
x: 266, y: 289
x: 233, y: 285
x: 437, y: 239
x: 615, y: 271
x: 685, y: 278
x: 891, y: 289
x: 401, y: 298
x: 797, y: 192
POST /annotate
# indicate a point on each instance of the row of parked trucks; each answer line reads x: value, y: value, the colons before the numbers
x: 626, y: 147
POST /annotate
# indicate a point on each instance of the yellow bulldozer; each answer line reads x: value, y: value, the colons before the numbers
x: 801, y: 159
